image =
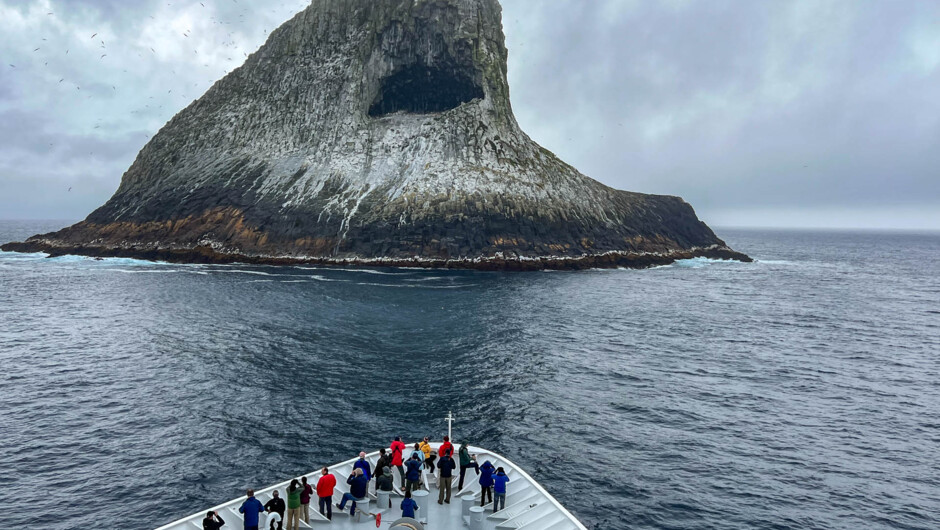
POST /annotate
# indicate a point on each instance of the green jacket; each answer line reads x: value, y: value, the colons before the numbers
x: 464, y: 456
x: 293, y: 498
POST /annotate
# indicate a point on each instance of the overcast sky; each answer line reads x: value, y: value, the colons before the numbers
x: 759, y: 113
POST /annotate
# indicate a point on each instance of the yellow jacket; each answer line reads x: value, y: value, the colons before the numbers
x: 426, y: 449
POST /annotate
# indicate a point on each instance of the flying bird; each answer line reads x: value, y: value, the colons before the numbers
x: 93, y: 36
x: 12, y: 66
x: 102, y: 57
x: 36, y: 50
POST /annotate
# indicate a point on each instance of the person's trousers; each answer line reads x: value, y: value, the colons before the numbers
x: 326, y: 502
x: 445, y: 487
x: 401, y: 473
x: 463, y: 471
x: 255, y: 527
x: 499, y: 500
x: 484, y: 491
x: 412, y: 485
x: 293, y: 518
x: 305, y: 512
x: 349, y: 497
x: 429, y: 462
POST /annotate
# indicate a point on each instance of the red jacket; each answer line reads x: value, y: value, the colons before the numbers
x: 445, y: 447
x: 397, y: 448
x: 325, y: 485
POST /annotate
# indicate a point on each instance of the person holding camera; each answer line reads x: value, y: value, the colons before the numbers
x: 212, y: 521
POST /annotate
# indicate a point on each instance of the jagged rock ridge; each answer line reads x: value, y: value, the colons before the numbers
x: 374, y: 130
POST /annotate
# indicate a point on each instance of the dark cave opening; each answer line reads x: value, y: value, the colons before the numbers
x: 422, y: 90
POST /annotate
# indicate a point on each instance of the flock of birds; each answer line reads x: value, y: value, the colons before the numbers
x: 80, y: 68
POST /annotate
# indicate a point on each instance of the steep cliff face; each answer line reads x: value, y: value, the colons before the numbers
x: 373, y: 130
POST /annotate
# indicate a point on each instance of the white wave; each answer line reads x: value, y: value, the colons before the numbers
x: 698, y: 263
x: 20, y: 256
x: 414, y: 286
x: 239, y: 271
x: 147, y: 271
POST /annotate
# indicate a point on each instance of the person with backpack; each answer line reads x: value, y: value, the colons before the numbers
x: 398, y: 448
x: 486, y: 482
x: 499, y: 490
x: 251, y: 508
x: 384, y: 461
x: 446, y: 448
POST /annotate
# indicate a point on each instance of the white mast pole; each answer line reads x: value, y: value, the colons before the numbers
x: 450, y: 419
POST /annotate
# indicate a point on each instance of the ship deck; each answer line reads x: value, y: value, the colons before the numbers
x: 528, y: 505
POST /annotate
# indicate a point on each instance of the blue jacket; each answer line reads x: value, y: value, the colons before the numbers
x: 365, y: 467
x: 408, y: 507
x: 358, y: 485
x: 500, y: 479
x: 251, y: 508
x: 414, y: 469
x: 486, y: 474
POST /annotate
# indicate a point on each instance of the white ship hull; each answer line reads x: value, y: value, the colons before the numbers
x: 528, y: 505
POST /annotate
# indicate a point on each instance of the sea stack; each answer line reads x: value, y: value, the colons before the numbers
x: 374, y: 132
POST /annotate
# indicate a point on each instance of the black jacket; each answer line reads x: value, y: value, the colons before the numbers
x: 384, y: 461
x: 276, y: 505
x: 446, y: 465
x: 210, y: 523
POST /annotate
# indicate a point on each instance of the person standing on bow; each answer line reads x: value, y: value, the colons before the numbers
x: 305, y: 499
x: 384, y: 461
x: 398, y: 448
x: 466, y: 462
x: 408, y: 506
x: 446, y: 448
x: 252, y: 508
x: 425, y: 447
x: 325, y: 487
x: 212, y: 521
x: 276, y: 505
x: 413, y: 474
x: 445, y: 466
x: 294, y: 491
x: 486, y: 482
x: 499, y: 490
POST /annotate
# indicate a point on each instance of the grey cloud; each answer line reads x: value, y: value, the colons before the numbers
x: 734, y: 105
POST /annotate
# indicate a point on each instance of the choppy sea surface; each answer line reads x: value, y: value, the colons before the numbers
x: 801, y: 391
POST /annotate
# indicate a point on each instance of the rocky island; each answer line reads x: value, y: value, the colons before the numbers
x: 375, y: 133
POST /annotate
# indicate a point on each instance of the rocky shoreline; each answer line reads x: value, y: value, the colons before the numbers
x: 208, y: 255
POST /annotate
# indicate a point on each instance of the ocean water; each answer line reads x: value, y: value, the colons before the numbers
x: 801, y: 391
